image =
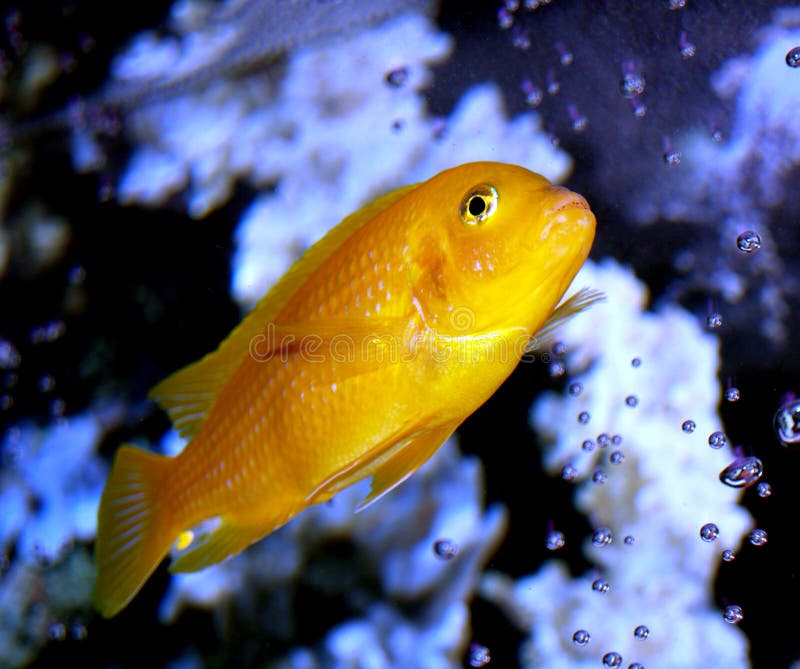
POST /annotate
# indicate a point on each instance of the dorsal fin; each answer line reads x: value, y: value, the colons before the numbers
x: 188, y: 394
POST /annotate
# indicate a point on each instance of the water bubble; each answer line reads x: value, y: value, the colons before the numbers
x: 742, y: 472
x: 587, y: 445
x: 632, y: 401
x: 632, y: 85
x: 732, y: 394
x: 568, y: 472
x: 728, y: 555
x: 612, y: 660
x: 748, y: 241
x: 600, y: 585
x: 57, y: 631
x: 764, y: 489
x: 478, y: 656
x: 758, y: 537
x: 616, y: 457
x: 672, y: 158
x: 505, y: 19
x: 629, y: 540
x: 641, y: 632
x: 787, y: 422
x: 602, y: 536
x: 584, y: 417
x: 398, y: 77
x: 599, y: 477
x: 78, y: 631
x: 636, y: 362
x: 793, y: 57
x: 554, y: 540
x: 575, y: 388
x: 717, y: 439
x: 732, y: 614
x: 714, y: 321
x: 688, y: 426
x: 445, y: 549
x: 581, y: 637
x: 709, y: 532
x: 603, y: 440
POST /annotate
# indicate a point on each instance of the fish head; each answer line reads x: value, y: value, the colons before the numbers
x: 509, y: 244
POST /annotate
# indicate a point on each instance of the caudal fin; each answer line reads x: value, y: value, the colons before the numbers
x: 134, y: 527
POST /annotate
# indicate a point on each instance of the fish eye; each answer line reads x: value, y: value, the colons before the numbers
x: 478, y: 204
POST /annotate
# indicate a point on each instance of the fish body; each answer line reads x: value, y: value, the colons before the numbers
x: 359, y: 363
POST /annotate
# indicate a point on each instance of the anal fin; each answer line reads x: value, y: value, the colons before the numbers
x: 226, y: 539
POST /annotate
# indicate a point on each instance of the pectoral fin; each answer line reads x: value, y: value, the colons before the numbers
x: 389, y: 465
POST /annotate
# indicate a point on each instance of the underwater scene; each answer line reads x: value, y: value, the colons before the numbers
x: 530, y: 400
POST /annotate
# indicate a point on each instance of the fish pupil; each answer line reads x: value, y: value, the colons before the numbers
x: 476, y: 205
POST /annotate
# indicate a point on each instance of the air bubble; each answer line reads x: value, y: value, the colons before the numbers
x: 793, y: 57
x: 632, y: 401
x: 733, y: 614
x: 599, y: 477
x: 575, y: 388
x: 478, y: 656
x: 398, y: 77
x: 612, y: 660
x: 616, y: 457
x: 505, y: 19
x: 709, y: 532
x: 758, y: 537
x: 600, y: 585
x: 641, y: 632
x: 714, y: 321
x: 688, y: 426
x: 554, y: 540
x: 584, y: 417
x: 557, y: 369
x: 57, y: 631
x: 764, y: 489
x: 672, y: 158
x: 603, y: 440
x: 636, y: 362
x: 728, y: 555
x: 629, y: 540
x: 445, y: 549
x: 587, y: 445
x: 602, y: 537
x: 635, y: 665
x: 733, y: 394
x: 787, y: 422
x: 748, y: 241
x: 717, y: 439
x: 616, y: 439
x: 581, y: 637
x: 742, y: 472
x: 632, y: 85
x: 568, y: 472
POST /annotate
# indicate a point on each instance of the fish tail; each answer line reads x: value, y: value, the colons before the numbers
x: 135, y: 528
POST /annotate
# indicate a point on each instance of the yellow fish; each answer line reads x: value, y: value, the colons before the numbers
x: 360, y: 362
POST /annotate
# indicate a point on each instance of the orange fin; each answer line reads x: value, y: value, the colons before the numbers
x: 226, y: 539
x: 404, y: 463
x: 134, y: 528
x: 188, y: 394
x: 389, y: 465
x: 574, y: 304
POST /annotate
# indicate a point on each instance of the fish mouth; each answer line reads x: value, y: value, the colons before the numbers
x: 565, y: 200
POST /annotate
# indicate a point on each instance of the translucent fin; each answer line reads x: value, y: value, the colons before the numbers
x: 390, y: 464
x: 574, y: 304
x: 188, y: 394
x: 226, y: 539
x: 134, y: 529
x: 404, y: 463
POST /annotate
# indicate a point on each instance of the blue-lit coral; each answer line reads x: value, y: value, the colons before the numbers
x: 659, y: 485
x: 50, y: 484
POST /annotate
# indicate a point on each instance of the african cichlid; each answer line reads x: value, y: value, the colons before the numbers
x: 360, y: 362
